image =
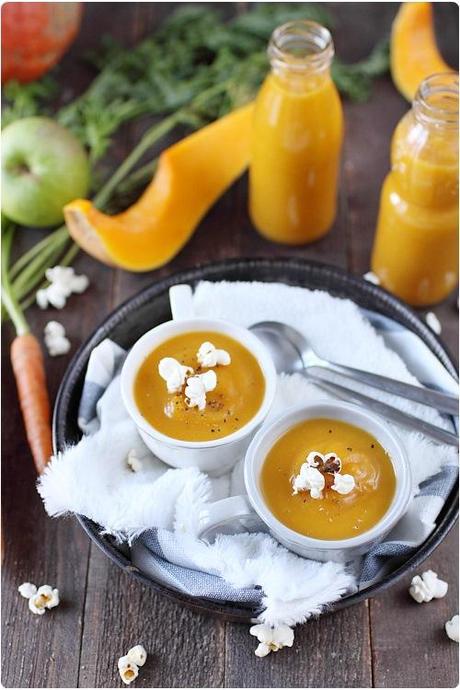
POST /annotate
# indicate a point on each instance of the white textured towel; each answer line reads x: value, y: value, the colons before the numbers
x: 93, y: 478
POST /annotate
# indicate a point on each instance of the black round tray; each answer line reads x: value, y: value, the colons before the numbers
x: 151, y: 306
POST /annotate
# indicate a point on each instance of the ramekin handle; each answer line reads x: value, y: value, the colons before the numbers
x: 181, y: 301
x: 218, y: 514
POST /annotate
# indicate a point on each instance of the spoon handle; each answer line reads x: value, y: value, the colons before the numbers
x: 444, y: 402
x: 392, y: 413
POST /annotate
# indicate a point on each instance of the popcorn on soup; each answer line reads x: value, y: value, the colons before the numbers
x: 199, y: 386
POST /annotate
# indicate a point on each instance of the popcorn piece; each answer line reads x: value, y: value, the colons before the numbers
x: 427, y: 587
x: 325, y: 463
x: 309, y: 479
x: 209, y: 356
x: 127, y: 669
x: 27, y: 590
x: 137, y: 655
x: 314, y: 458
x: 45, y: 598
x: 433, y: 322
x: 55, y: 328
x: 452, y: 628
x: 133, y: 461
x: 197, y: 387
x: 41, y: 297
x: 63, y: 282
x: 332, y: 463
x: 371, y: 278
x: 272, y: 639
x: 174, y: 373
x: 55, y: 339
x: 343, y: 483
x: 40, y: 610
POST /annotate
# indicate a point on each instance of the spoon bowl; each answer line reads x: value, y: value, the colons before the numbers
x: 284, y: 343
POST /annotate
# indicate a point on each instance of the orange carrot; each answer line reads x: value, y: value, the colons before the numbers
x: 29, y: 371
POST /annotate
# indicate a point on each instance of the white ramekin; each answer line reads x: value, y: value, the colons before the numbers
x: 237, y: 508
x: 214, y: 457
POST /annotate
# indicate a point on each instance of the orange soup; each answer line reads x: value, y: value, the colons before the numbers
x: 332, y: 516
x: 295, y: 160
x: 233, y: 402
x: 298, y: 130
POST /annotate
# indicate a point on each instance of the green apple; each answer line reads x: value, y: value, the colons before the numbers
x: 43, y: 168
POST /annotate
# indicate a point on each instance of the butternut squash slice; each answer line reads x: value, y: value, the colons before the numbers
x: 190, y: 176
x: 414, y: 53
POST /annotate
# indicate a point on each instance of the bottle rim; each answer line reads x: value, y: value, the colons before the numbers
x: 300, y: 46
x: 436, y: 101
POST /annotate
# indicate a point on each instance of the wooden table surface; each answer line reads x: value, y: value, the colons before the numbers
x: 389, y: 641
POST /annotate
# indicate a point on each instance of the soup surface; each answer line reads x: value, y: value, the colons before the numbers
x: 235, y: 400
x: 333, y: 516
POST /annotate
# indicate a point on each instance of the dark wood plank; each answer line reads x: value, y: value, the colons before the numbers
x: 332, y: 651
x: 45, y: 651
x: 394, y: 616
x: 227, y: 232
x: 118, y: 608
x: 41, y: 551
x: 410, y: 647
x: 36, y: 649
x: 184, y: 649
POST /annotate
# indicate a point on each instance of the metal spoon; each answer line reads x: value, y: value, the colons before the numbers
x: 291, y: 352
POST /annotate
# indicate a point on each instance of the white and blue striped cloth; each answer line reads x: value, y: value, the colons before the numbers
x: 165, y: 556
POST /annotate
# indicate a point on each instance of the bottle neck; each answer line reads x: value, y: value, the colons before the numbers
x: 436, y: 102
x: 300, y: 53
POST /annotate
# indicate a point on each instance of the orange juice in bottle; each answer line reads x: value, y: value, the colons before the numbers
x: 415, y: 252
x: 298, y: 128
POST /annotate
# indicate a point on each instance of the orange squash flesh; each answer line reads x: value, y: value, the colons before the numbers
x: 190, y: 177
x: 414, y: 53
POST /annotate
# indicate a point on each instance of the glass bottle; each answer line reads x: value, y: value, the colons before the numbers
x: 415, y: 252
x: 298, y: 131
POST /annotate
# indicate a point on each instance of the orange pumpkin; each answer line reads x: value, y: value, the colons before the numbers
x: 35, y: 35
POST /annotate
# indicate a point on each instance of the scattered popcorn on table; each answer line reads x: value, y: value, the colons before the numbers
x: 45, y: 598
x: 27, y: 590
x: 371, y: 278
x: 133, y: 461
x: 63, y: 282
x: 427, y: 587
x: 433, y: 322
x: 128, y: 666
x: 137, y: 655
x: 55, y: 339
x: 127, y: 669
x: 272, y: 639
x: 452, y: 628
